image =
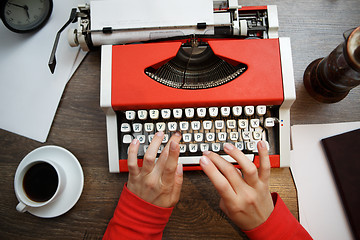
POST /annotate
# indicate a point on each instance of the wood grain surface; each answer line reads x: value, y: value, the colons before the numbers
x: 315, y: 29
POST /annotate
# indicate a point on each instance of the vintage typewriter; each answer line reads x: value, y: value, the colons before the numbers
x: 215, y: 71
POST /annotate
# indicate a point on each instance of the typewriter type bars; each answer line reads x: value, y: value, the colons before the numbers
x: 252, y: 103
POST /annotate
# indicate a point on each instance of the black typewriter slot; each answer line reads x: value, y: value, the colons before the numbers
x: 196, y: 67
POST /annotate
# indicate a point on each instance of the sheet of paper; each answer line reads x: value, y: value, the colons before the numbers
x: 29, y: 93
x: 320, y: 208
x: 136, y: 14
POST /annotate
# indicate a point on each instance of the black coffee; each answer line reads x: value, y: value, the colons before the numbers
x: 40, y: 182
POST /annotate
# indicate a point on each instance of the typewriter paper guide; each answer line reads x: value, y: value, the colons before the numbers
x: 261, y: 83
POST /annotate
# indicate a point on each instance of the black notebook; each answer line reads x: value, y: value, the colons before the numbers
x: 343, y: 154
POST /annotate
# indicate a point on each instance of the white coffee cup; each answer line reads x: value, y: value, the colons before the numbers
x: 35, y: 183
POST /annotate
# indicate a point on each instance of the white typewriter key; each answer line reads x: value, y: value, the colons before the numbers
x: 127, y: 139
x: 195, y: 125
x: 125, y: 128
x: 154, y: 114
x: 141, y: 138
x: 225, y: 111
x: 249, y: 110
x: 231, y: 124
x: 160, y: 126
x: 198, y: 137
x: 184, y: 126
x: 189, y: 112
x: 177, y: 112
x: 234, y: 136
x: 213, y: 111
x: 130, y: 115
x: 215, y: 147
x: 210, y: 137
x: 182, y: 148
x: 137, y: 127
x: 142, y: 114
x: 219, y: 124
x: 243, y: 123
x: 236, y: 111
x: 166, y: 138
x: 261, y: 110
x: 246, y: 135
x: 239, y: 145
x: 251, y: 146
x: 150, y: 137
x: 149, y: 127
x: 165, y: 113
x: 186, y: 137
x: 146, y: 148
x: 256, y: 135
x: 172, y: 126
x: 254, y: 123
x: 161, y: 147
x: 193, y: 147
x: 269, y: 122
x: 207, y: 125
x: 222, y: 136
x: 204, y: 147
x: 201, y: 112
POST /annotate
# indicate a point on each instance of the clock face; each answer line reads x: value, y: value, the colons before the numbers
x: 25, y: 15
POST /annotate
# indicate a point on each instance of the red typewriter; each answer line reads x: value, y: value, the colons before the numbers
x: 234, y: 85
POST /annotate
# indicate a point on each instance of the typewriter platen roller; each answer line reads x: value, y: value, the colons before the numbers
x: 119, y: 22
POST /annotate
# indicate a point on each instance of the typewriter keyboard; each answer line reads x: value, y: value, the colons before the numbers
x: 202, y: 129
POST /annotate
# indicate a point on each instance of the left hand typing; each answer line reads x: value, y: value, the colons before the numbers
x: 157, y: 183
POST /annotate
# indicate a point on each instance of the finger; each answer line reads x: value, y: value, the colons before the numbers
x: 248, y: 168
x: 178, y: 180
x: 132, y: 158
x: 219, y: 181
x: 151, y: 153
x: 171, y: 163
x: 264, y: 169
x: 161, y: 162
x: 228, y: 170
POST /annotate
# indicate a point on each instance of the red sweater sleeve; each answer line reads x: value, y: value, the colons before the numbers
x: 281, y: 224
x: 136, y: 219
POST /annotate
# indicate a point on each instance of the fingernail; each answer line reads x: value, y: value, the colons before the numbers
x: 134, y: 141
x: 173, y: 146
x: 160, y: 134
x: 179, y: 169
x: 177, y: 133
x: 206, y: 152
x: 204, y: 160
x: 262, y: 144
x: 228, y: 146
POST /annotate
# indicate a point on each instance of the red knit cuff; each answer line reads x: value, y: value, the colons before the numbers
x: 281, y: 224
x: 141, y: 211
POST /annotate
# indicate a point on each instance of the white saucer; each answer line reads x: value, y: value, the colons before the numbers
x: 74, y: 180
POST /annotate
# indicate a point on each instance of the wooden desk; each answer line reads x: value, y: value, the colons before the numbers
x: 315, y: 28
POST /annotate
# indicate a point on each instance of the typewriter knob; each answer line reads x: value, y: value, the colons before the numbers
x: 72, y: 37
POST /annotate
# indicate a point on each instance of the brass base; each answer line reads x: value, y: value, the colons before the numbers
x: 316, y: 89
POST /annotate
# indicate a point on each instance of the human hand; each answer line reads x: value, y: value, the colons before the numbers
x: 245, y: 196
x: 157, y: 183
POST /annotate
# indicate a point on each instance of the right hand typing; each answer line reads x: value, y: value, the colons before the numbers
x: 245, y: 196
